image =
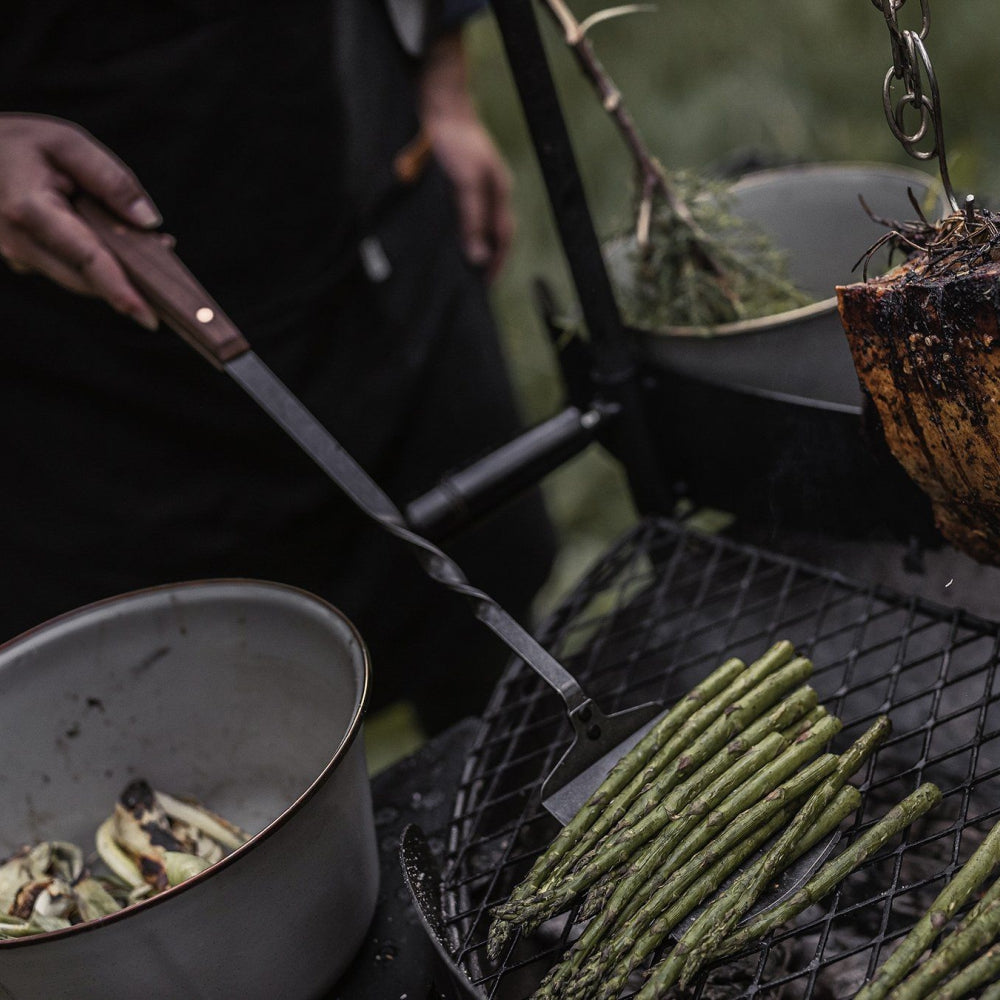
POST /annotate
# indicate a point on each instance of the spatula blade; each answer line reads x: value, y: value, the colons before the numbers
x: 590, y: 759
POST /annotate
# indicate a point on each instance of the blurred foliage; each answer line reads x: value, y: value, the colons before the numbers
x: 708, y: 85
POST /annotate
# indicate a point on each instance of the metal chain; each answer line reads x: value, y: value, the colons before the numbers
x: 912, y: 65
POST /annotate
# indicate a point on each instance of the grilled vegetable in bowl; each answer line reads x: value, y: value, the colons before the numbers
x: 150, y: 842
x: 153, y: 840
x: 249, y: 697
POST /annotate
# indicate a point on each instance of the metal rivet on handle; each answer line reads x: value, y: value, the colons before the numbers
x: 204, y: 315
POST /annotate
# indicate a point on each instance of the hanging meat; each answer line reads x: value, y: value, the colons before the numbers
x: 926, y: 345
x: 924, y: 337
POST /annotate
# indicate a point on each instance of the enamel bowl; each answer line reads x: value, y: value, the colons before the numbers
x: 247, y: 696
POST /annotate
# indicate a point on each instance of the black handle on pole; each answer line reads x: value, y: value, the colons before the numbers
x: 462, y: 497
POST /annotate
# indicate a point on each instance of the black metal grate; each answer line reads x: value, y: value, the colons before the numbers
x: 661, y: 610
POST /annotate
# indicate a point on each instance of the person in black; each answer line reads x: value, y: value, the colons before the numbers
x: 274, y: 140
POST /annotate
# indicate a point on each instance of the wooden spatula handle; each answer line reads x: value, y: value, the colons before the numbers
x: 171, y: 289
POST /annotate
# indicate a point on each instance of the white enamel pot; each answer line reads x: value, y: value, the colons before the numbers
x: 249, y: 697
x: 811, y: 212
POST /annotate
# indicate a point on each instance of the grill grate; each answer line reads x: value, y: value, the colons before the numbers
x: 661, y: 610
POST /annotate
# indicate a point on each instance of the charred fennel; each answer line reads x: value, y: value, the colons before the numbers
x: 143, y: 848
x: 956, y: 893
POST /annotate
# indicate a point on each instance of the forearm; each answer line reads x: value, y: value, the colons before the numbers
x: 466, y: 152
x: 445, y: 88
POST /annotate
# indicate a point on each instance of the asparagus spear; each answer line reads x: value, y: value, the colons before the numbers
x: 667, y: 857
x: 835, y: 870
x: 546, y: 904
x: 585, y: 969
x: 733, y: 720
x: 992, y: 993
x: 806, y: 723
x: 979, y: 929
x: 844, y: 803
x: 983, y: 970
x: 967, y: 880
x: 598, y: 896
x: 651, y: 810
x: 564, y: 849
x: 752, y: 883
x: 630, y: 765
x: 802, y: 700
x: 691, y: 729
x: 531, y: 911
x: 718, y: 919
x: 737, y: 817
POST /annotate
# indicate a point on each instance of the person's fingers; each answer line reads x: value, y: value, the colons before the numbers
x: 502, y: 222
x: 57, y: 242
x: 43, y: 262
x: 474, y: 213
x: 99, y: 172
x: 17, y: 266
x: 85, y: 282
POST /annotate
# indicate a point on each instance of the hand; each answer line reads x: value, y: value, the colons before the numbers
x: 44, y: 162
x: 467, y: 154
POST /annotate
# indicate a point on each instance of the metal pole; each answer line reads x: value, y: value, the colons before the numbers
x: 615, y: 374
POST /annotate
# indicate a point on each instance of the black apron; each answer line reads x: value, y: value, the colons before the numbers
x: 130, y: 461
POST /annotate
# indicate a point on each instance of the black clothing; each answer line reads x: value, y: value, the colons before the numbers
x: 130, y: 461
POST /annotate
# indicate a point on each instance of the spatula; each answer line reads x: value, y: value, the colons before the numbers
x: 599, y: 739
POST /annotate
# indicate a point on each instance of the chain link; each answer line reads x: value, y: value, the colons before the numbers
x: 911, y: 66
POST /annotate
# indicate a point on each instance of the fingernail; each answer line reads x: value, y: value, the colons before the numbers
x: 142, y: 213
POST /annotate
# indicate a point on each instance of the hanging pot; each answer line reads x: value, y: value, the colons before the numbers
x: 765, y: 417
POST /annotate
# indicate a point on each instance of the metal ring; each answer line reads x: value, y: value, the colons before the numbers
x: 909, y: 139
x: 894, y: 111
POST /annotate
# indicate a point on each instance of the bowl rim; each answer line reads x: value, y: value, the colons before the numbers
x: 349, y: 737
